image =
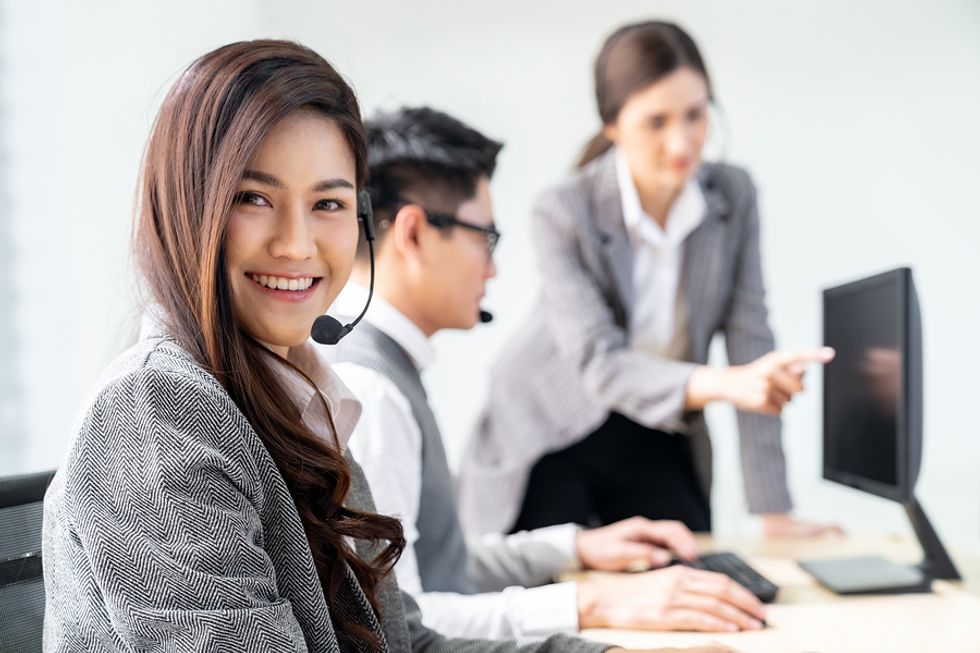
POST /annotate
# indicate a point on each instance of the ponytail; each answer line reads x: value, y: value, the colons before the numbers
x: 596, y: 147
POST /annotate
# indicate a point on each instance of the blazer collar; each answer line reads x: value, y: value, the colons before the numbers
x: 702, y: 254
x: 716, y: 203
x: 607, y: 210
x: 608, y: 203
x: 608, y: 207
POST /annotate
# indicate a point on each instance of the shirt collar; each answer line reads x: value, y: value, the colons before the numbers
x: 343, y: 406
x: 683, y: 217
x: 389, y: 320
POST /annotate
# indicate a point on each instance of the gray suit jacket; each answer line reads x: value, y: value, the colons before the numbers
x: 571, y: 365
x: 169, y: 528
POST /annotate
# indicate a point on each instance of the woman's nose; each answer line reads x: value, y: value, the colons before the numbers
x: 678, y: 142
x: 293, y: 238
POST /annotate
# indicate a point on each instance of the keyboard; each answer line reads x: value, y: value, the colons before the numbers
x: 738, y: 570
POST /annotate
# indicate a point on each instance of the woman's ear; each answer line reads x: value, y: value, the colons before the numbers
x: 611, y: 132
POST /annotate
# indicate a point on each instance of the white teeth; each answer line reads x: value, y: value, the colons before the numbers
x: 282, y: 283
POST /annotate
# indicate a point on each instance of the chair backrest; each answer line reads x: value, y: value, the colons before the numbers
x: 21, y: 581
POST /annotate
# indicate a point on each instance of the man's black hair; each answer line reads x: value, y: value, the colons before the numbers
x: 420, y: 155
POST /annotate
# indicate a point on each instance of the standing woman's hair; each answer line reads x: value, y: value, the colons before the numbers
x: 632, y: 58
x: 210, y: 125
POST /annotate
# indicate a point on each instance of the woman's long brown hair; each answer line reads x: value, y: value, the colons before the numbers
x: 210, y: 125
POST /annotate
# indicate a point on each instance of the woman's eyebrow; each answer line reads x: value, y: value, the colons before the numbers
x: 330, y: 184
x: 262, y: 178
x: 319, y: 187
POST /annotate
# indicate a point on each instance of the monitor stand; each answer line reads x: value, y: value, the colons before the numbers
x: 874, y: 575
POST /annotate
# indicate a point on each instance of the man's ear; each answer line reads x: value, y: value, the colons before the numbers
x: 405, y: 233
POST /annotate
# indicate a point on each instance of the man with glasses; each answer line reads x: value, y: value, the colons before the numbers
x: 430, y: 186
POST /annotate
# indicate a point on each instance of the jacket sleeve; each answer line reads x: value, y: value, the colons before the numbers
x: 166, y: 512
x: 527, y: 558
x: 645, y: 388
x: 747, y: 337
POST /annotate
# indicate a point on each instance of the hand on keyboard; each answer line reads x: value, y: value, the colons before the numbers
x: 738, y: 570
x: 676, y: 598
x: 635, y: 543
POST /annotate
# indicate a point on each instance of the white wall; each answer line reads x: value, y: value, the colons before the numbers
x: 858, y: 121
x: 81, y: 83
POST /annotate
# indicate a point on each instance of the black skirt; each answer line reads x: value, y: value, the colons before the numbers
x: 621, y: 470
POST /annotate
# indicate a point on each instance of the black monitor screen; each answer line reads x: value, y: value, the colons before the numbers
x: 863, y: 384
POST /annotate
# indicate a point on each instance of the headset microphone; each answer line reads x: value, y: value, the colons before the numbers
x: 485, y: 316
x: 328, y: 330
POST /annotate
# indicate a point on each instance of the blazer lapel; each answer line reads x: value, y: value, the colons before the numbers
x: 702, y: 265
x: 353, y: 602
x: 614, y: 244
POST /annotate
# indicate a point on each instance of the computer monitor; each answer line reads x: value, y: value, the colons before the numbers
x: 872, y: 409
x: 872, y: 390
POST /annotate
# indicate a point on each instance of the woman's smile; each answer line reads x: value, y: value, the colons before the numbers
x: 285, y: 286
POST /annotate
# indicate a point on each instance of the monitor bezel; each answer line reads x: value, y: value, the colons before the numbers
x: 900, y: 279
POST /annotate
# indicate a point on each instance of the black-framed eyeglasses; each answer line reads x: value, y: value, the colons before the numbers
x: 444, y: 221
x: 447, y: 221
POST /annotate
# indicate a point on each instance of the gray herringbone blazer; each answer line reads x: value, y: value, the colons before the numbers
x: 169, y: 528
x: 567, y: 369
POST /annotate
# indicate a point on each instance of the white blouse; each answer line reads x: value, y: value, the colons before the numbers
x: 658, y: 324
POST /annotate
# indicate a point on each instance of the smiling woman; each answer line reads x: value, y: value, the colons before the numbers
x: 219, y: 439
x: 278, y: 112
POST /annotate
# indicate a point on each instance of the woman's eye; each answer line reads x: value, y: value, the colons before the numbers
x: 328, y: 205
x: 695, y: 115
x: 658, y: 122
x: 254, y: 199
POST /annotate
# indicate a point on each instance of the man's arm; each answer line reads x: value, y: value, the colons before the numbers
x: 528, y: 558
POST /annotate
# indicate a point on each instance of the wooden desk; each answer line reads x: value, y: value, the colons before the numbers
x: 806, y: 618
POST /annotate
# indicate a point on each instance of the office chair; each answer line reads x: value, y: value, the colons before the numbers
x: 21, y: 582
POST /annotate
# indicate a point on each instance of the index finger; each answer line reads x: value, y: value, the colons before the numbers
x: 793, y: 358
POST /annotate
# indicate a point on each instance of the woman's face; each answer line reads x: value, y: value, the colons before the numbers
x: 293, y: 230
x: 661, y: 129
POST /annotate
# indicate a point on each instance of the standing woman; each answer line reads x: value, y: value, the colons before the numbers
x: 207, y: 502
x: 645, y: 252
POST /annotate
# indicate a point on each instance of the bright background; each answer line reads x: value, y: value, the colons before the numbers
x: 857, y: 120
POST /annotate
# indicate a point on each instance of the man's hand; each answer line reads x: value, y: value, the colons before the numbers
x: 676, y: 598
x: 634, y: 544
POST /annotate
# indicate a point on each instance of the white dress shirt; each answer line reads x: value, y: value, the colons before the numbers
x: 387, y: 443
x: 658, y: 324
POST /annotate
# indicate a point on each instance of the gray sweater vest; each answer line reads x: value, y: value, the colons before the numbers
x: 441, y: 547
